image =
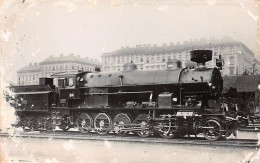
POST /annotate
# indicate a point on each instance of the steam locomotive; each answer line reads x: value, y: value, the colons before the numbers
x: 172, y: 103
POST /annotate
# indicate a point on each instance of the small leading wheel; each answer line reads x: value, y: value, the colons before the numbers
x: 102, y: 123
x: 65, y: 123
x: 121, y: 119
x: 143, y: 120
x: 212, y: 130
x: 84, y: 123
x: 166, y: 130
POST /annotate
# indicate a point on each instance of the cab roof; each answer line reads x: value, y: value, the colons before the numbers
x: 67, y: 74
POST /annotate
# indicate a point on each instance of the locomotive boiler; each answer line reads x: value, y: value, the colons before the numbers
x: 171, y: 103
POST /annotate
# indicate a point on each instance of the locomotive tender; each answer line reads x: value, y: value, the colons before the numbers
x: 172, y: 102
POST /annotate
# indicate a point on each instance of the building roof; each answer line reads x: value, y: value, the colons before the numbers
x: 187, y: 45
x: 244, y: 83
x: 30, y: 68
x: 69, y: 58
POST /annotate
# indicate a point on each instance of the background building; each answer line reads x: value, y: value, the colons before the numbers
x: 29, y: 75
x: 239, y: 59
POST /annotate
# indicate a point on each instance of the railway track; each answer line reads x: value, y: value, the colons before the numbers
x: 73, y: 135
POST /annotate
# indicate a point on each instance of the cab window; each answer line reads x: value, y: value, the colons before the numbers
x: 71, y: 82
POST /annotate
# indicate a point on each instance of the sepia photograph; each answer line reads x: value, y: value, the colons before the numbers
x: 129, y: 81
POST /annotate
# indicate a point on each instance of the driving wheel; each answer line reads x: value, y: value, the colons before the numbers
x: 102, y: 123
x: 84, y: 123
x: 212, y: 130
x: 143, y: 120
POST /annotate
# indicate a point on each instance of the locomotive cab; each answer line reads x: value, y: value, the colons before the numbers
x: 68, y: 87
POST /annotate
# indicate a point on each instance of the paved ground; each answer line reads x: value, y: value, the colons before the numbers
x: 81, y: 151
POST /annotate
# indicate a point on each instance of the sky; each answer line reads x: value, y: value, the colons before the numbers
x: 35, y: 29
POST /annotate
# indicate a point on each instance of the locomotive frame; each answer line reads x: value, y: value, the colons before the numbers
x: 172, y: 103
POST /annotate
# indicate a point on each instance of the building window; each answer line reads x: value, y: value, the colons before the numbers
x: 231, y: 58
x: 141, y: 60
x: 53, y: 68
x: 231, y: 50
x: 72, y: 67
x: 60, y: 67
x: 163, y: 60
x: 147, y: 61
x: 231, y: 70
x: 66, y: 67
